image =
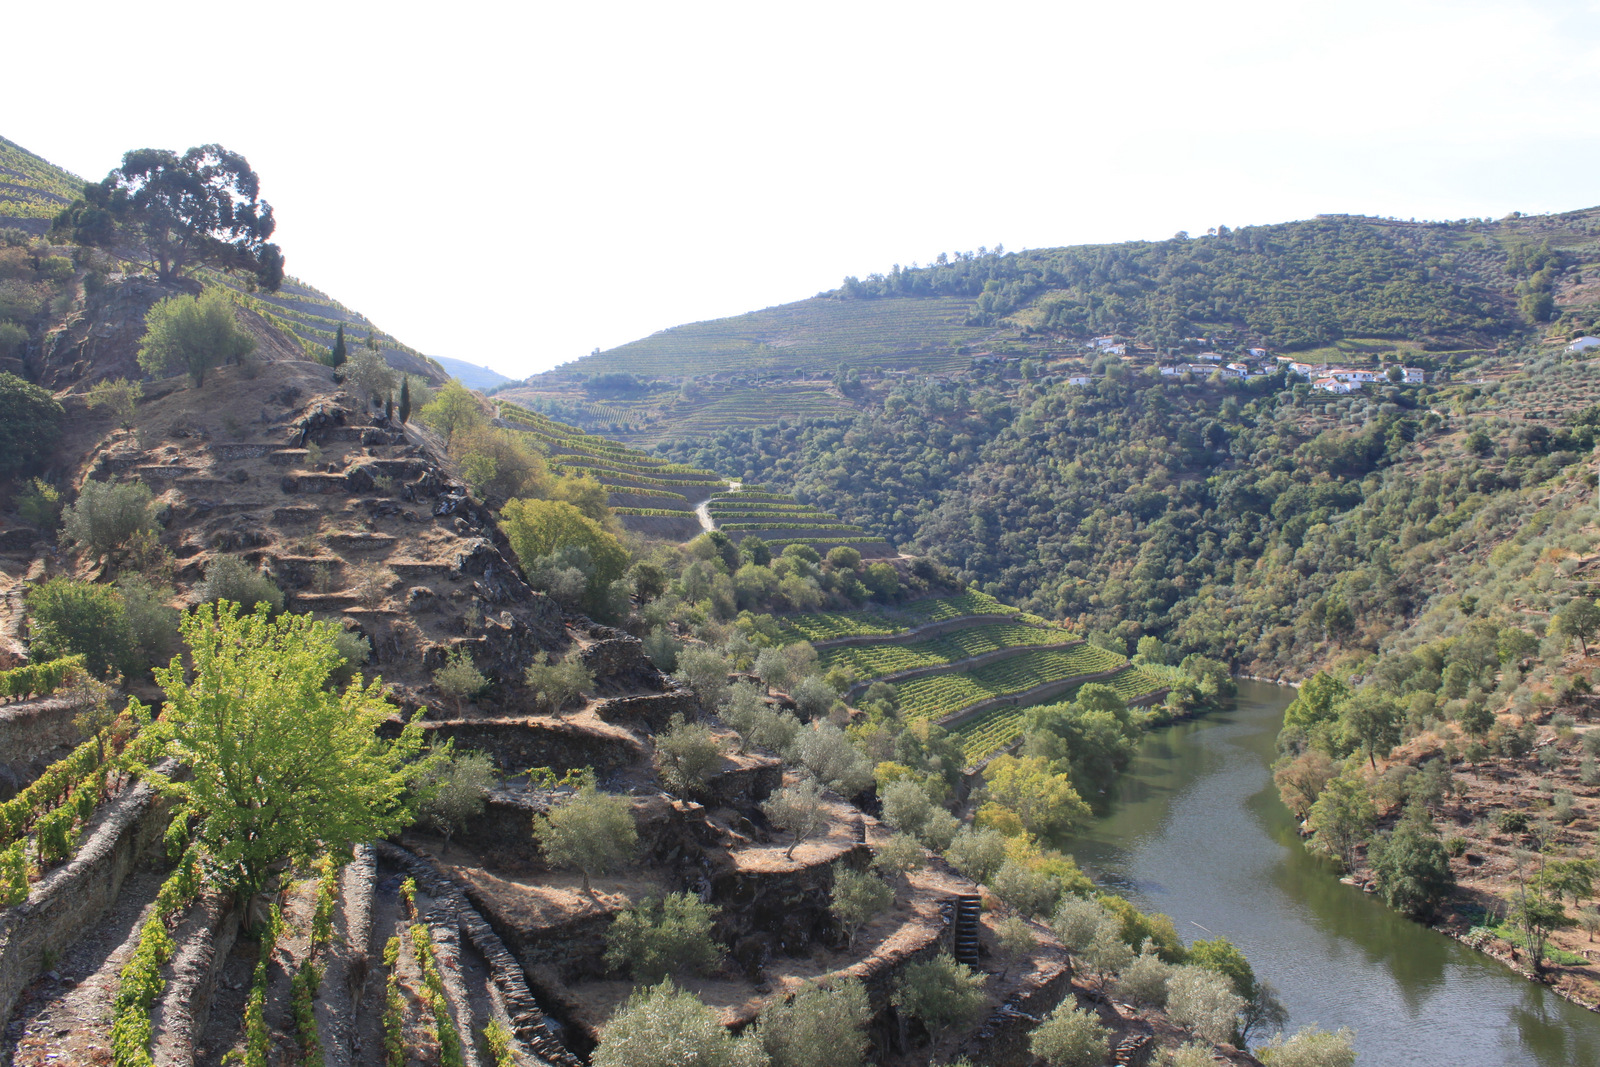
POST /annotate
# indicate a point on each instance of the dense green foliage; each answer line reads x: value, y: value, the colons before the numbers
x: 192, y: 335
x: 30, y: 422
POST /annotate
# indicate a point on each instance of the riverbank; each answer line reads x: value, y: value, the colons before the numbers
x: 1195, y: 830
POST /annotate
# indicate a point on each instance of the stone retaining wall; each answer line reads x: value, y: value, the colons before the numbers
x: 30, y: 730
x: 69, y: 899
x: 517, y: 744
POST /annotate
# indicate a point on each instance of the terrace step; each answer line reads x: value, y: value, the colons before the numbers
x: 361, y: 542
x: 416, y: 568
x: 233, y: 451
x: 968, y: 916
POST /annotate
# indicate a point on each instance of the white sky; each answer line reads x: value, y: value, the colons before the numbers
x: 517, y: 184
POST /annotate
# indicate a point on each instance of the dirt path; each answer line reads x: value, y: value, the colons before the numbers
x: 65, y: 1016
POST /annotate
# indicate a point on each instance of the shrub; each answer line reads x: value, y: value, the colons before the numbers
x: 705, y: 671
x: 662, y: 1026
x: 900, y: 854
x: 857, y: 899
x: 459, y: 678
x: 593, y: 832
x: 67, y: 617
x: 40, y: 505
x: 30, y: 422
x: 757, y: 722
x: 687, y: 755
x: 1310, y: 1048
x: 663, y: 649
x: 192, y: 334
x: 1412, y: 869
x: 354, y: 650
x: 1204, y: 1001
x: 555, y: 685
x: 820, y: 1026
x: 540, y: 529
x: 657, y: 937
x: 797, y: 809
x: 107, y: 516
x: 1071, y: 1037
x: 231, y: 578
x: 1144, y: 981
x: 940, y: 993
x: 813, y: 697
x: 978, y: 854
x: 152, y: 621
x: 1193, y: 1054
x: 825, y: 751
x: 1028, y: 891
x: 120, y: 395
x: 452, y: 791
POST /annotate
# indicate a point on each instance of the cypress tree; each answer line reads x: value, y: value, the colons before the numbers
x: 405, y: 399
x: 337, y: 356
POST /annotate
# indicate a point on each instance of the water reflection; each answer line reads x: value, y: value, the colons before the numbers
x: 1196, y: 830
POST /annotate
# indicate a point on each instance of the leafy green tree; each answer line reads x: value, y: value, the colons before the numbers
x: 1341, y: 819
x: 858, y: 898
x: 68, y: 617
x: 1042, y: 800
x: 1204, y: 1001
x: 279, y: 765
x: 826, y: 752
x: 203, y: 207
x: 1579, y: 618
x: 823, y: 1025
x: 1371, y: 720
x: 452, y: 791
x: 538, y: 529
x: 593, y: 832
x: 1412, y: 868
x: 978, y: 854
x: 369, y: 375
x: 940, y: 993
x: 192, y: 334
x: 662, y: 936
x: 120, y: 395
x: 30, y: 422
x: 797, y: 809
x: 1030, y: 892
x: 1071, y: 1036
x: 663, y: 1026
x: 453, y: 409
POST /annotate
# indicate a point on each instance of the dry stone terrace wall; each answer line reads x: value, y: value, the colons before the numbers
x: 517, y: 744
x: 29, y: 731
x: 125, y: 832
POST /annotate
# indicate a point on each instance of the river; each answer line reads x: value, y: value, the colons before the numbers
x: 1195, y: 829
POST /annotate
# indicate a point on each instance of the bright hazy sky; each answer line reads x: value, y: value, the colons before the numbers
x: 518, y: 184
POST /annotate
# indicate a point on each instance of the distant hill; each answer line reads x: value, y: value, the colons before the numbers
x: 1324, y: 286
x: 470, y: 374
x: 33, y: 190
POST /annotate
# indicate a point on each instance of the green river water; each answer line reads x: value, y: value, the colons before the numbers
x: 1195, y: 830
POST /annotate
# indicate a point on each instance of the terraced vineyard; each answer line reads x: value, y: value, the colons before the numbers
x: 984, y: 735
x: 832, y: 625
x: 939, y: 695
x: 782, y: 520
x: 627, y: 472
x: 31, y: 188
x: 879, y: 660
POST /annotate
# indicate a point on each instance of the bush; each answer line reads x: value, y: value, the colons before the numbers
x: 1028, y: 891
x: 1310, y: 1048
x: 662, y: 1026
x: 593, y: 832
x: 657, y: 937
x: 1071, y: 1037
x: 857, y: 899
x: 67, y: 617
x: 152, y: 621
x: 663, y: 649
x: 192, y: 334
x: 1412, y: 869
x: 1144, y: 981
x: 459, y: 678
x: 121, y: 396
x: 40, y: 505
x: 797, y: 809
x: 453, y: 790
x: 555, y: 685
x: 705, y: 671
x: 1204, y: 1001
x: 540, y: 529
x: 813, y: 697
x: 757, y: 722
x: 107, y: 516
x: 231, y: 578
x: 901, y: 854
x: 940, y: 993
x: 30, y: 422
x: 687, y: 755
x: 978, y: 854
x: 820, y: 1026
x: 825, y: 751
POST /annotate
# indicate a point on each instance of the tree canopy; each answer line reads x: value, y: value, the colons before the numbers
x: 192, y: 334
x: 30, y: 422
x: 202, y: 208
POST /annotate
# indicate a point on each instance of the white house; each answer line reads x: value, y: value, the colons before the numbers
x: 1210, y: 357
x: 1584, y: 344
x: 1240, y: 370
x: 1110, y: 340
x: 1350, y: 374
x: 1081, y: 379
x: 1333, y: 385
x: 1258, y: 353
x: 1414, y: 375
x: 1180, y: 369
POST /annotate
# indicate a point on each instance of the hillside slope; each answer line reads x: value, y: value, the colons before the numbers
x: 1438, y: 292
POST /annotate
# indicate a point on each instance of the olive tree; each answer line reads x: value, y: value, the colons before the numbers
x: 661, y: 936
x: 687, y: 755
x: 820, y: 1026
x: 857, y: 899
x: 453, y: 789
x: 941, y: 993
x: 192, y: 334
x: 797, y: 809
x: 1070, y: 1037
x: 593, y: 832
x: 663, y: 1026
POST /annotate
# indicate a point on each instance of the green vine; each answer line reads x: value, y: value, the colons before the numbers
x: 140, y: 982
